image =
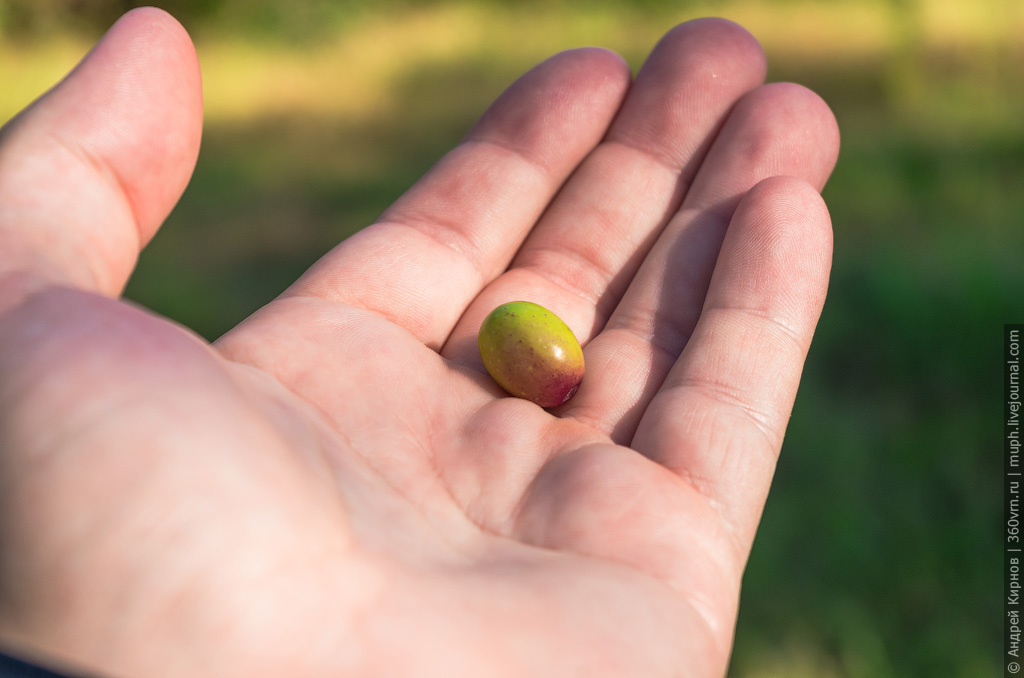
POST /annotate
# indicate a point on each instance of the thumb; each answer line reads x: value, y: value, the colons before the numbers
x: 90, y: 170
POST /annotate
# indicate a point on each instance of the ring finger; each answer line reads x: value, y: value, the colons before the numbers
x: 779, y: 129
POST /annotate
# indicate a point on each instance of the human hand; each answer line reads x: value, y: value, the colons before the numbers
x: 336, y: 487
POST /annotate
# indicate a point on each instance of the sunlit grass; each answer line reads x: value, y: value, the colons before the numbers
x: 958, y: 50
x: 26, y: 71
x: 933, y: 70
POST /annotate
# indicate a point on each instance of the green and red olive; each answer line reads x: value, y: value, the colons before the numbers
x: 531, y: 353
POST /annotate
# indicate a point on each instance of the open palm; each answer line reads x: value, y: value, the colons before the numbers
x: 336, y: 487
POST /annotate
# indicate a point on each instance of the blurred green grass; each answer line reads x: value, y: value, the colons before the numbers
x: 878, y: 550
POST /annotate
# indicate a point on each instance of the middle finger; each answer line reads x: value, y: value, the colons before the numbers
x: 585, y: 249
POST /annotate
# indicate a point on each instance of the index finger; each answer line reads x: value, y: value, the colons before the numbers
x: 429, y: 255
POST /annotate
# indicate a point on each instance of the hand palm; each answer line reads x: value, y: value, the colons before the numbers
x: 336, y: 486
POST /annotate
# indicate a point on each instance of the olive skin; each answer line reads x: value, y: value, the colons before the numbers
x: 531, y: 353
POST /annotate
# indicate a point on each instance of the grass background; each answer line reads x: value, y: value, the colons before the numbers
x: 878, y: 554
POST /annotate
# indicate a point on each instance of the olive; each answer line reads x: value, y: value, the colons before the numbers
x: 531, y: 353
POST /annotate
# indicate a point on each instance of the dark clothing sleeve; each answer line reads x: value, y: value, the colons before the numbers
x: 18, y: 668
